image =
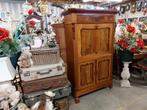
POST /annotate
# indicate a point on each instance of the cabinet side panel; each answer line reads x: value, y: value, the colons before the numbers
x: 60, y: 38
x: 69, y: 35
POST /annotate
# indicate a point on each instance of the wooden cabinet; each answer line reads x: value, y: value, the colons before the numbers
x: 89, y: 45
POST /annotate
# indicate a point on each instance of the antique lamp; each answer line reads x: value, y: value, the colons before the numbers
x: 7, y: 73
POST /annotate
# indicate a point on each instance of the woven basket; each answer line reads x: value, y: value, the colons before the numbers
x: 45, y: 56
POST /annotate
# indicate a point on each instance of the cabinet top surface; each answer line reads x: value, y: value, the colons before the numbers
x: 87, y: 11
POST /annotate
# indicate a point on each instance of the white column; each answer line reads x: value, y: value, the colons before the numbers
x: 125, y: 74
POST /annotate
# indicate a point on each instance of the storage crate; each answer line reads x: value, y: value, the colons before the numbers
x: 45, y: 55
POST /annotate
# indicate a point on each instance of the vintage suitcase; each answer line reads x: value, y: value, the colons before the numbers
x: 61, y: 92
x: 43, y: 84
x: 42, y: 71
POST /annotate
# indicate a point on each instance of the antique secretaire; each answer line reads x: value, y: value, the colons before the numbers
x: 89, y: 38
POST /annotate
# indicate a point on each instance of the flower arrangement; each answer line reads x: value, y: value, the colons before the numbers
x: 8, y: 46
x: 129, y: 38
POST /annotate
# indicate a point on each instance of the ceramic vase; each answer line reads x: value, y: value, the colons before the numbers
x: 14, y: 59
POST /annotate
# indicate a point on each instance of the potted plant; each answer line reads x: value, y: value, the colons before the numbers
x: 129, y: 41
x: 9, y: 46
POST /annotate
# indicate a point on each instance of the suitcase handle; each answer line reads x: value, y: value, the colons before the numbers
x: 42, y: 73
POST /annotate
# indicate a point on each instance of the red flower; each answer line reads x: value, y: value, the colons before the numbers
x: 32, y: 23
x: 30, y: 12
x: 121, y: 21
x: 120, y: 42
x: 3, y: 34
x: 123, y: 43
x: 133, y: 50
x: 140, y: 43
x: 130, y: 29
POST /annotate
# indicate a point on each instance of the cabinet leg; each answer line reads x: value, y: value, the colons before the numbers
x: 110, y: 86
x: 77, y: 100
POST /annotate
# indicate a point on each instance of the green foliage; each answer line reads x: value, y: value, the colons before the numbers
x: 8, y: 47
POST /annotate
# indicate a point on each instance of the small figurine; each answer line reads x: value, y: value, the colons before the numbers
x: 22, y: 106
x: 25, y: 60
x: 45, y: 103
x: 52, y: 43
x: 5, y: 105
x: 49, y: 104
x: 14, y: 97
x: 9, y: 98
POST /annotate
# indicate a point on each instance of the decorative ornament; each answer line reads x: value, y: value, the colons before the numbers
x: 121, y: 21
x: 139, y: 5
x: 25, y: 60
x: 26, y: 7
x: 128, y: 7
x: 133, y: 8
x: 43, y: 7
x: 122, y: 9
x: 32, y: 23
x: 144, y: 8
x: 31, y: 11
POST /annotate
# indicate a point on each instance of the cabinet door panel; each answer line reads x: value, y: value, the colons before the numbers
x: 88, y: 40
x: 103, y: 39
x: 104, y: 71
x: 93, y: 39
x: 86, y: 74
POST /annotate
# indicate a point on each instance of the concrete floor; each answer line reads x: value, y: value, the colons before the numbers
x: 117, y: 98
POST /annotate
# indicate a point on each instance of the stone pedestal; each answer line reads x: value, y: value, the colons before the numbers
x: 125, y: 74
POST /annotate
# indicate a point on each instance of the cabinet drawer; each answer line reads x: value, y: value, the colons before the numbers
x: 94, y: 18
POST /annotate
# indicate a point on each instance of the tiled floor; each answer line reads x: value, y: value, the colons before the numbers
x: 117, y: 98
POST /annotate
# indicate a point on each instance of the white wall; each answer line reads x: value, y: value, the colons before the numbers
x: 14, y: 7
